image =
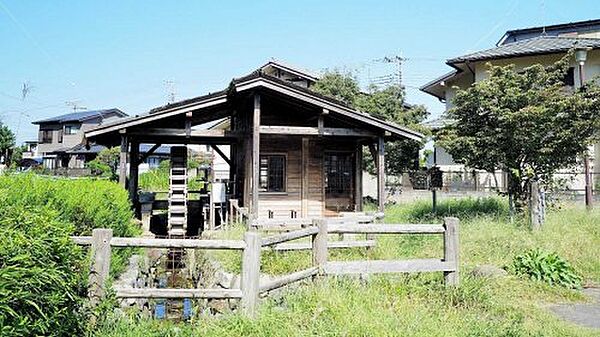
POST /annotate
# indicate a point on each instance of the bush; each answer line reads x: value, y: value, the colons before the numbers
x: 86, y: 203
x: 546, y: 267
x: 42, y: 288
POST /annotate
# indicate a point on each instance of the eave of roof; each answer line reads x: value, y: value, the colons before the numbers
x: 427, y: 86
x: 251, y: 81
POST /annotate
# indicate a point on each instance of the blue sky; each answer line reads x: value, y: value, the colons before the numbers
x: 121, y: 53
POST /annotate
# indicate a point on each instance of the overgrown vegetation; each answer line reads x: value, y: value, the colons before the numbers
x: 42, y: 272
x: 546, y: 267
x: 418, y: 304
x: 41, y: 281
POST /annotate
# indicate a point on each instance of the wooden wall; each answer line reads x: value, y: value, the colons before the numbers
x: 282, y: 203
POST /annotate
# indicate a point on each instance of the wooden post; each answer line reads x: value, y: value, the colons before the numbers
x: 255, y: 155
x: 305, y: 177
x: 535, y: 206
x: 146, y: 216
x: 250, y: 282
x: 123, y: 161
x: 100, y: 267
x: 451, y: 250
x: 381, y: 174
x: 133, y: 172
x: 319, y: 245
x: 358, y: 193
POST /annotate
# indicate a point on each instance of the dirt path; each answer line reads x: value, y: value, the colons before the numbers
x: 587, y: 314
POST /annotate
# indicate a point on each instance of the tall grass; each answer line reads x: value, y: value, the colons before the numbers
x: 42, y: 287
x: 463, y: 208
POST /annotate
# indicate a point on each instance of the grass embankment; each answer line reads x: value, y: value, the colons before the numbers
x: 419, y: 305
x: 43, y: 274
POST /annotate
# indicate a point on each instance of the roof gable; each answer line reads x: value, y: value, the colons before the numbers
x: 257, y: 80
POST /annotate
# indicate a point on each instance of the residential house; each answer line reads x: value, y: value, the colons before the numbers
x: 60, y: 142
x: 522, y: 48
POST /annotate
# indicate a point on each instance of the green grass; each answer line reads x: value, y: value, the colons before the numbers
x: 418, y: 304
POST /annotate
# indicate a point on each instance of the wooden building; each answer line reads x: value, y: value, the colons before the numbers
x: 292, y: 152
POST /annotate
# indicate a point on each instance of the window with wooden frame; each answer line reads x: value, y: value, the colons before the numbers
x: 339, y: 173
x: 272, y: 173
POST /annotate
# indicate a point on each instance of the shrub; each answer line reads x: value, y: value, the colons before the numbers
x: 546, y: 267
x: 86, y: 203
x: 42, y: 288
x: 82, y: 204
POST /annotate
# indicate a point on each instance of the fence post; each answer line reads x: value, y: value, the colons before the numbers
x: 451, y: 250
x: 319, y: 245
x: 100, y: 267
x: 250, y: 282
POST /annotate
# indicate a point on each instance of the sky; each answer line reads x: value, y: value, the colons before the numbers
x: 132, y: 54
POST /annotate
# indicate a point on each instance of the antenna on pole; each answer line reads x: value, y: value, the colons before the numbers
x: 543, y: 15
x: 74, y: 104
x: 393, y: 77
x: 170, y: 84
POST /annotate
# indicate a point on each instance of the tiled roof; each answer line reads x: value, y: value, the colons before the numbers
x: 534, y: 46
x: 81, y: 116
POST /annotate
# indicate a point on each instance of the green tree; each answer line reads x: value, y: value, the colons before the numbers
x: 526, y: 123
x: 385, y: 103
x: 7, y: 141
x: 106, y: 163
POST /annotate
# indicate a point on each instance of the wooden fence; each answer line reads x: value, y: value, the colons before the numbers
x: 251, y: 287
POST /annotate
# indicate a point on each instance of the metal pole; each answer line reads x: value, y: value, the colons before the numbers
x: 433, y: 189
x: 586, y: 159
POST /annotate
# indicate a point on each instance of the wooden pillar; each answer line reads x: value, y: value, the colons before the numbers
x: 451, y: 250
x: 132, y: 186
x: 305, y: 177
x: 99, y: 270
x: 255, y: 155
x: 250, y: 278
x: 319, y: 245
x: 381, y: 174
x: 123, y: 161
x: 358, y: 193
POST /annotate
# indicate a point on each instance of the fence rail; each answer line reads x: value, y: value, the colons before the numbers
x: 251, y: 287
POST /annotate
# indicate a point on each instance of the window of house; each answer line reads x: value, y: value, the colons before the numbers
x: 339, y: 174
x: 71, y: 129
x: 569, y: 78
x: 272, y: 173
x: 60, y: 136
x: 45, y: 136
